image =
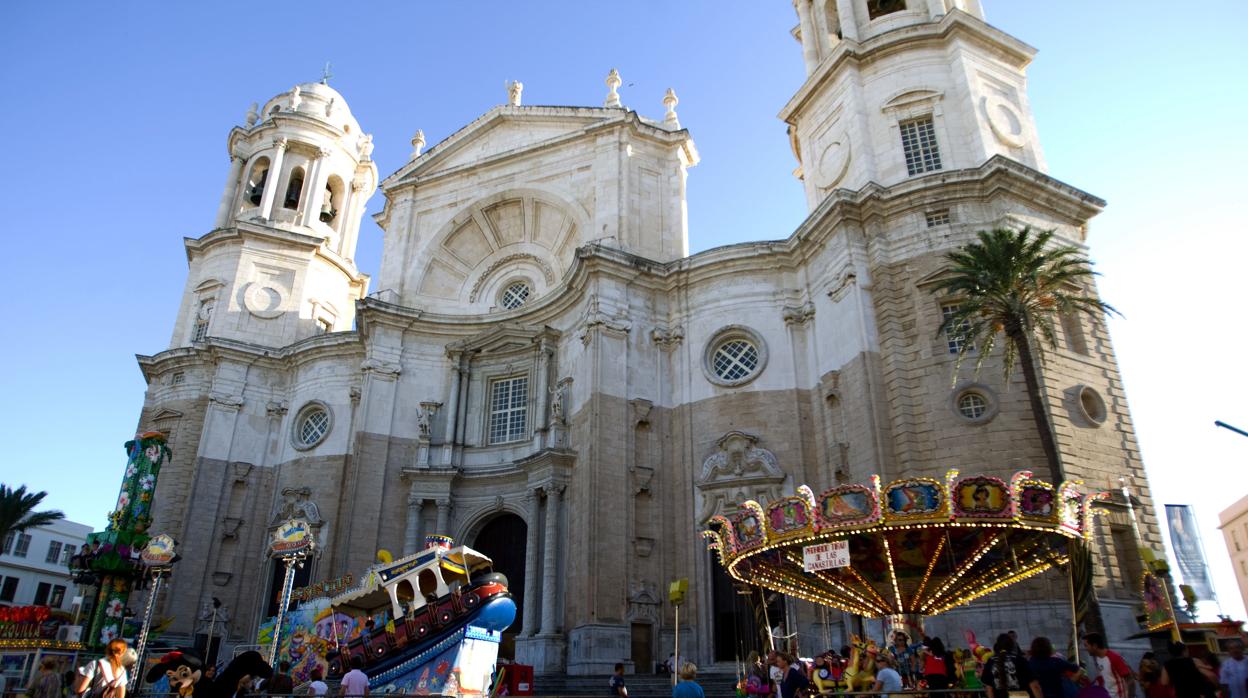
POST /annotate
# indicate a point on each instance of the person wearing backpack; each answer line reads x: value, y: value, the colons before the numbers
x: 105, y: 677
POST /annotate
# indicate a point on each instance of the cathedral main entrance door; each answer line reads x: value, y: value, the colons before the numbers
x: 503, y: 538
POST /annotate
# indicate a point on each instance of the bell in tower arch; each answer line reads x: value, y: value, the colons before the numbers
x: 328, y: 212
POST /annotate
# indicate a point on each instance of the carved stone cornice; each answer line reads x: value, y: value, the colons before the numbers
x: 226, y: 401
x: 380, y: 369
x: 798, y: 314
x: 668, y: 338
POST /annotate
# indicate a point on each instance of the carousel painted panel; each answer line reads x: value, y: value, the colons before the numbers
x: 981, y: 497
x: 848, y: 506
x: 915, y: 499
x: 747, y: 526
x: 788, y: 518
x: 1034, y: 500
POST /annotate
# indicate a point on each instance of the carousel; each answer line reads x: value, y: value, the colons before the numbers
x: 912, y: 548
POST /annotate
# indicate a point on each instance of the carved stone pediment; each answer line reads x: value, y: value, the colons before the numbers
x: 739, y: 457
x: 297, y: 504
x: 738, y: 469
x: 506, y: 338
x: 643, y: 602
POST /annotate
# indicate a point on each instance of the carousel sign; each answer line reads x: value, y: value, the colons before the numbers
x: 826, y: 556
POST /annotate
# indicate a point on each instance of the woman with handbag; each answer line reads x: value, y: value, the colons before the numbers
x: 105, y: 677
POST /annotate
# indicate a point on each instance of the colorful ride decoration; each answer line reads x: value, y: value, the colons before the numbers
x: 917, y: 546
x: 429, y: 623
x: 112, y: 556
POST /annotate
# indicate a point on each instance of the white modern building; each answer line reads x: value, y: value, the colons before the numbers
x: 34, y: 566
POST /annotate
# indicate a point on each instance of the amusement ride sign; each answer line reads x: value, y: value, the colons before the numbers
x: 291, y: 538
x: 826, y: 556
x: 159, y: 551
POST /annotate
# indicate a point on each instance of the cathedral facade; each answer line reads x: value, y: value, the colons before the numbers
x: 543, y: 372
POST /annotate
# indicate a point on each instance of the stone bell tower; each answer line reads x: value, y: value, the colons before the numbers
x: 900, y: 88
x: 278, y: 264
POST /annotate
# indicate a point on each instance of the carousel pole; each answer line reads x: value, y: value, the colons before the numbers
x: 158, y: 558
x: 292, y: 543
x: 141, y: 646
x: 287, y: 584
x: 1074, y: 610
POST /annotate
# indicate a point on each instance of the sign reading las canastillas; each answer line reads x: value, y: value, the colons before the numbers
x: 826, y: 556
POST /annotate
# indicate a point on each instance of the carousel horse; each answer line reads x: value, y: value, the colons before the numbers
x: 860, y: 671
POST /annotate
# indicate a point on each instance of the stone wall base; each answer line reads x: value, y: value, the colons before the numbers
x: 543, y: 652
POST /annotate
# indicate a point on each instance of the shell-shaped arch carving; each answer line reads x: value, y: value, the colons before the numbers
x: 526, y: 234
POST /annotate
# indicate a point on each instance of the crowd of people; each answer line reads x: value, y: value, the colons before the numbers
x: 1005, y: 670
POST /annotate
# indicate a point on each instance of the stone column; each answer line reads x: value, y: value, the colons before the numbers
x: 316, y: 194
x: 227, y: 196
x: 550, y: 559
x: 542, y: 393
x: 810, y: 39
x: 415, y: 514
x: 274, y: 179
x: 452, y: 412
x: 848, y: 19
x: 350, y: 225
x: 529, y: 625
x: 444, y: 516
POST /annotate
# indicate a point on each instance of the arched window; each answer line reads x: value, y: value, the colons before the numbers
x: 879, y: 8
x: 256, y: 181
x: 331, y: 205
x: 294, y: 190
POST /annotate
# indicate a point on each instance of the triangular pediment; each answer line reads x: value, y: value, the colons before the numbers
x: 166, y: 414
x: 506, y: 338
x: 504, y: 130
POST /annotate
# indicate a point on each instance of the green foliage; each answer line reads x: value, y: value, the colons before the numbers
x: 17, y: 511
x: 1010, y: 286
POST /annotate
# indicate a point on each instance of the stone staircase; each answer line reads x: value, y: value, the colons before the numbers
x: 714, y: 685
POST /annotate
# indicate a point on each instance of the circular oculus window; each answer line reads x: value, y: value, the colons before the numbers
x: 515, y: 295
x: 1092, y: 406
x: 735, y: 357
x: 311, y: 426
x: 973, y: 403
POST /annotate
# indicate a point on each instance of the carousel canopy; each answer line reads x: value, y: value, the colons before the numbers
x: 917, y: 545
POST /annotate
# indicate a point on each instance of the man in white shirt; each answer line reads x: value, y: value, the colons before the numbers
x: 317, y: 686
x: 355, y: 683
x: 1234, y: 671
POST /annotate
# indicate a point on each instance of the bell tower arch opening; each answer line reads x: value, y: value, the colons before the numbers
x: 504, y: 539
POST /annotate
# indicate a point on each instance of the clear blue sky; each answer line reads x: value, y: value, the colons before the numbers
x: 115, y: 117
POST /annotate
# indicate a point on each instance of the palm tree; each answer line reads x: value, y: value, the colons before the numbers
x: 1010, y: 286
x: 17, y: 511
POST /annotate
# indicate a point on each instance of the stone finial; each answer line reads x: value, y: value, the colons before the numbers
x: 669, y: 102
x: 613, y: 83
x: 295, y: 98
x: 252, y: 115
x: 418, y: 143
x: 514, y: 88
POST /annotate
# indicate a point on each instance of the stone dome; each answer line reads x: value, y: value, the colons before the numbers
x: 316, y: 100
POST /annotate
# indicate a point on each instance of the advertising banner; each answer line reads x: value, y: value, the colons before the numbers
x: 1188, y: 552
